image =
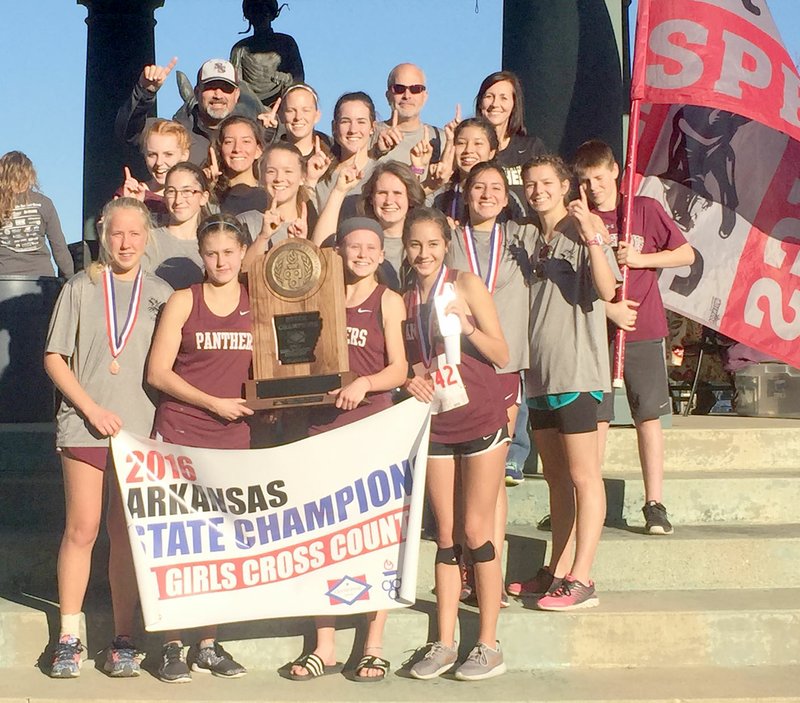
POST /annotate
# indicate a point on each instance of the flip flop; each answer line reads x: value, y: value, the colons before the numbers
x: 315, y: 667
x: 369, y: 662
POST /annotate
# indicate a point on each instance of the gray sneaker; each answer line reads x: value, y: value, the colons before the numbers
x: 655, y: 517
x: 438, y: 659
x: 482, y: 663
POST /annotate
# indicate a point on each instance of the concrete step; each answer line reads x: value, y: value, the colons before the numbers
x: 691, y: 497
x: 702, y: 557
x: 768, y: 684
x: 692, y: 443
x: 628, y: 629
x: 713, y: 443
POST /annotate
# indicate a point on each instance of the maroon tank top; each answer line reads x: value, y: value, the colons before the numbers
x: 485, y: 413
x: 214, y: 356
x: 366, y: 350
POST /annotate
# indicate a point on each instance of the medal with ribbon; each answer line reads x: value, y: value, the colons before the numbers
x: 495, y: 254
x: 425, y: 336
x: 118, y: 337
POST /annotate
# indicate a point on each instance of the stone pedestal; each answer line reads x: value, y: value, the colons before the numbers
x: 568, y: 59
x: 120, y: 42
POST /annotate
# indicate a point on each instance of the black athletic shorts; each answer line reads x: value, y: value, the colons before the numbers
x: 473, y: 447
x: 574, y: 418
x: 646, y: 385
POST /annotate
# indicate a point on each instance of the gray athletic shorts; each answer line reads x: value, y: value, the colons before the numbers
x: 646, y: 383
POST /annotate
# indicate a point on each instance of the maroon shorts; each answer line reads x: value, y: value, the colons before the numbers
x: 98, y: 457
x: 510, y: 388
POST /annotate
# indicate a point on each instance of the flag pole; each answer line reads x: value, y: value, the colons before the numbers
x: 627, y: 196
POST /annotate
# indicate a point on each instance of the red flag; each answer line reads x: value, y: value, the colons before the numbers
x: 719, y: 147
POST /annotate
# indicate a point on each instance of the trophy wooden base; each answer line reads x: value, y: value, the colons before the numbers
x: 295, y: 392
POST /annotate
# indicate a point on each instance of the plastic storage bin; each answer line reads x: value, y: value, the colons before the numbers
x: 768, y: 390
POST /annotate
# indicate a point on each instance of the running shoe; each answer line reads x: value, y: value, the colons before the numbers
x: 67, y: 658
x: 570, y: 595
x: 215, y: 660
x: 174, y: 668
x: 122, y: 659
x: 482, y: 663
x: 514, y: 475
x: 655, y: 518
x: 534, y: 587
x: 438, y: 659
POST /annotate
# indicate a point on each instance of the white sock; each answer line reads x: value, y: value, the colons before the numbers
x: 70, y: 625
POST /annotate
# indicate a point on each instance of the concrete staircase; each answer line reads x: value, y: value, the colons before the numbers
x: 711, y: 613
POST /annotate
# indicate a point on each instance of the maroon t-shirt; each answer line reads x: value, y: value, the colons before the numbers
x: 366, y: 352
x: 214, y: 356
x: 651, y: 231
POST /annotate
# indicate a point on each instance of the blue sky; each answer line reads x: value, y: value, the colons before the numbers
x: 346, y: 45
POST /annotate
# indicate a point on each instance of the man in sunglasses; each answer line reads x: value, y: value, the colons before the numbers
x: 406, y: 93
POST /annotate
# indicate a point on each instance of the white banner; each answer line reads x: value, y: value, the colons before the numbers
x: 329, y: 525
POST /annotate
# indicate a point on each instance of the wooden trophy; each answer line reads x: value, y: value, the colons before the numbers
x: 297, y: 304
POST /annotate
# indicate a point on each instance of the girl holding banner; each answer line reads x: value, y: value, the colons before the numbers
x: 574, y: 272
x: 98, y: 340
x: 498, y: 252
x: 375, y: 317
x: 199, y: 362
x: 468, y: 437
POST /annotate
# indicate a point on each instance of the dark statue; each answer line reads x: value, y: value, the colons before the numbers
x: 268, y: 61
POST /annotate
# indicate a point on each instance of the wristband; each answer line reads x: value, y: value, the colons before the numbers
x: 595, y: 241
x: 417, y: 170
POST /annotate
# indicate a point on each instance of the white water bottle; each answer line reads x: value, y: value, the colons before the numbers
x: 449, y: 324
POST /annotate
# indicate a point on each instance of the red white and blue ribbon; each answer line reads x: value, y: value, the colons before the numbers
x: 495, y: 255
x: 425, y: 337
x: 455, y: 201
x: 118, y: 336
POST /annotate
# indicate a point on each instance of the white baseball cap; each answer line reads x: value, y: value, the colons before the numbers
x: 217, y: 70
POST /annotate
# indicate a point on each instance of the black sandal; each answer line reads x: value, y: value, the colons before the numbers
x: 315, y: 667
x: 370, y: 662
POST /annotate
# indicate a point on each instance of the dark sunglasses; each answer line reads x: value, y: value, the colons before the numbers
x: 399, y: 88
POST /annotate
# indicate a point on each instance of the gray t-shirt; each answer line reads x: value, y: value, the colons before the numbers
x: 568, y: 342
x: 511, y: 291
x: 350, y: 204
x: 177, y: 261
x: 394, y: 252
x: 23, y: 251
x: 254, y: 220
x: 402, y: 152
x: 78, y: 332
